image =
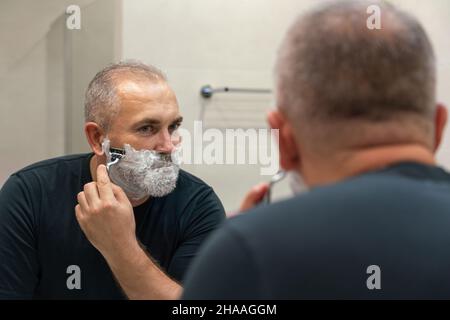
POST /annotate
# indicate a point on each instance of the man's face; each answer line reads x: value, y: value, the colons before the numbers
x: 147, y: 118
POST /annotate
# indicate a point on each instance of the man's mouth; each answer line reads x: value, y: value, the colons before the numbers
x: 167, y: 157
x: 164, y: 161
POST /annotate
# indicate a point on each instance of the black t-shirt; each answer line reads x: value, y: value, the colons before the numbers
x: 381, y: 235
x: 42, y: 247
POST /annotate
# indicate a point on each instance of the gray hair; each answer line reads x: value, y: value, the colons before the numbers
x: 101, y: 101
x: 331, y: 68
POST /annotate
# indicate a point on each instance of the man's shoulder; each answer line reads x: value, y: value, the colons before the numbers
x: 188, y: 180
x: 335, y: 232
x: 191, y: 189
x: 58, y: 167
x: 356, y: 201
x: 43, y: 164
x: 196, y: 196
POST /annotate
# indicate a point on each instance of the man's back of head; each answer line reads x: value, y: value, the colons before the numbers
x: 336, y: 77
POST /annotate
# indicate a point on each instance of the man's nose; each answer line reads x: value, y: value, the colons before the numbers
x: 165, y: 142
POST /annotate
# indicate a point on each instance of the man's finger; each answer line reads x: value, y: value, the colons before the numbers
x: 104, y: 184
x: 91, y: 194
x: 81, y: 197
x: 78, y: 213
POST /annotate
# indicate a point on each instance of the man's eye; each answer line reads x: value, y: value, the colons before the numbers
x: 145, y: 129
x: 174, y: 127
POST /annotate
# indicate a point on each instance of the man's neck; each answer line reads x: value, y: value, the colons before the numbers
x: 94, y: 163
x: 355, y: 162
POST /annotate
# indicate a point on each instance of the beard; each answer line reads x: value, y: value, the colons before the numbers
x: 145, y: 172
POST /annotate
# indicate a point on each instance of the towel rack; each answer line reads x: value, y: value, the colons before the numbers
x: 207, y: 91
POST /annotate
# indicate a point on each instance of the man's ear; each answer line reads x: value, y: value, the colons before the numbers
x: 289, y: 151
x: 440, y: 120
x: 94, y: 134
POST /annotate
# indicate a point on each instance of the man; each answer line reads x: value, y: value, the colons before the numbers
x: 131, y: 114
x: 359, y: 122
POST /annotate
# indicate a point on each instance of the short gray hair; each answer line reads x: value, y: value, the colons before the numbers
x: 101, y: 101
x: 331, y: 67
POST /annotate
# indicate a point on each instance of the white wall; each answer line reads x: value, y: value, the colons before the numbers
x: 30, y: 128
x: 233, y: 43
x: 44, y: 70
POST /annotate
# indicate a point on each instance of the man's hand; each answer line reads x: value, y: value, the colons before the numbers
x: 106, y: 215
